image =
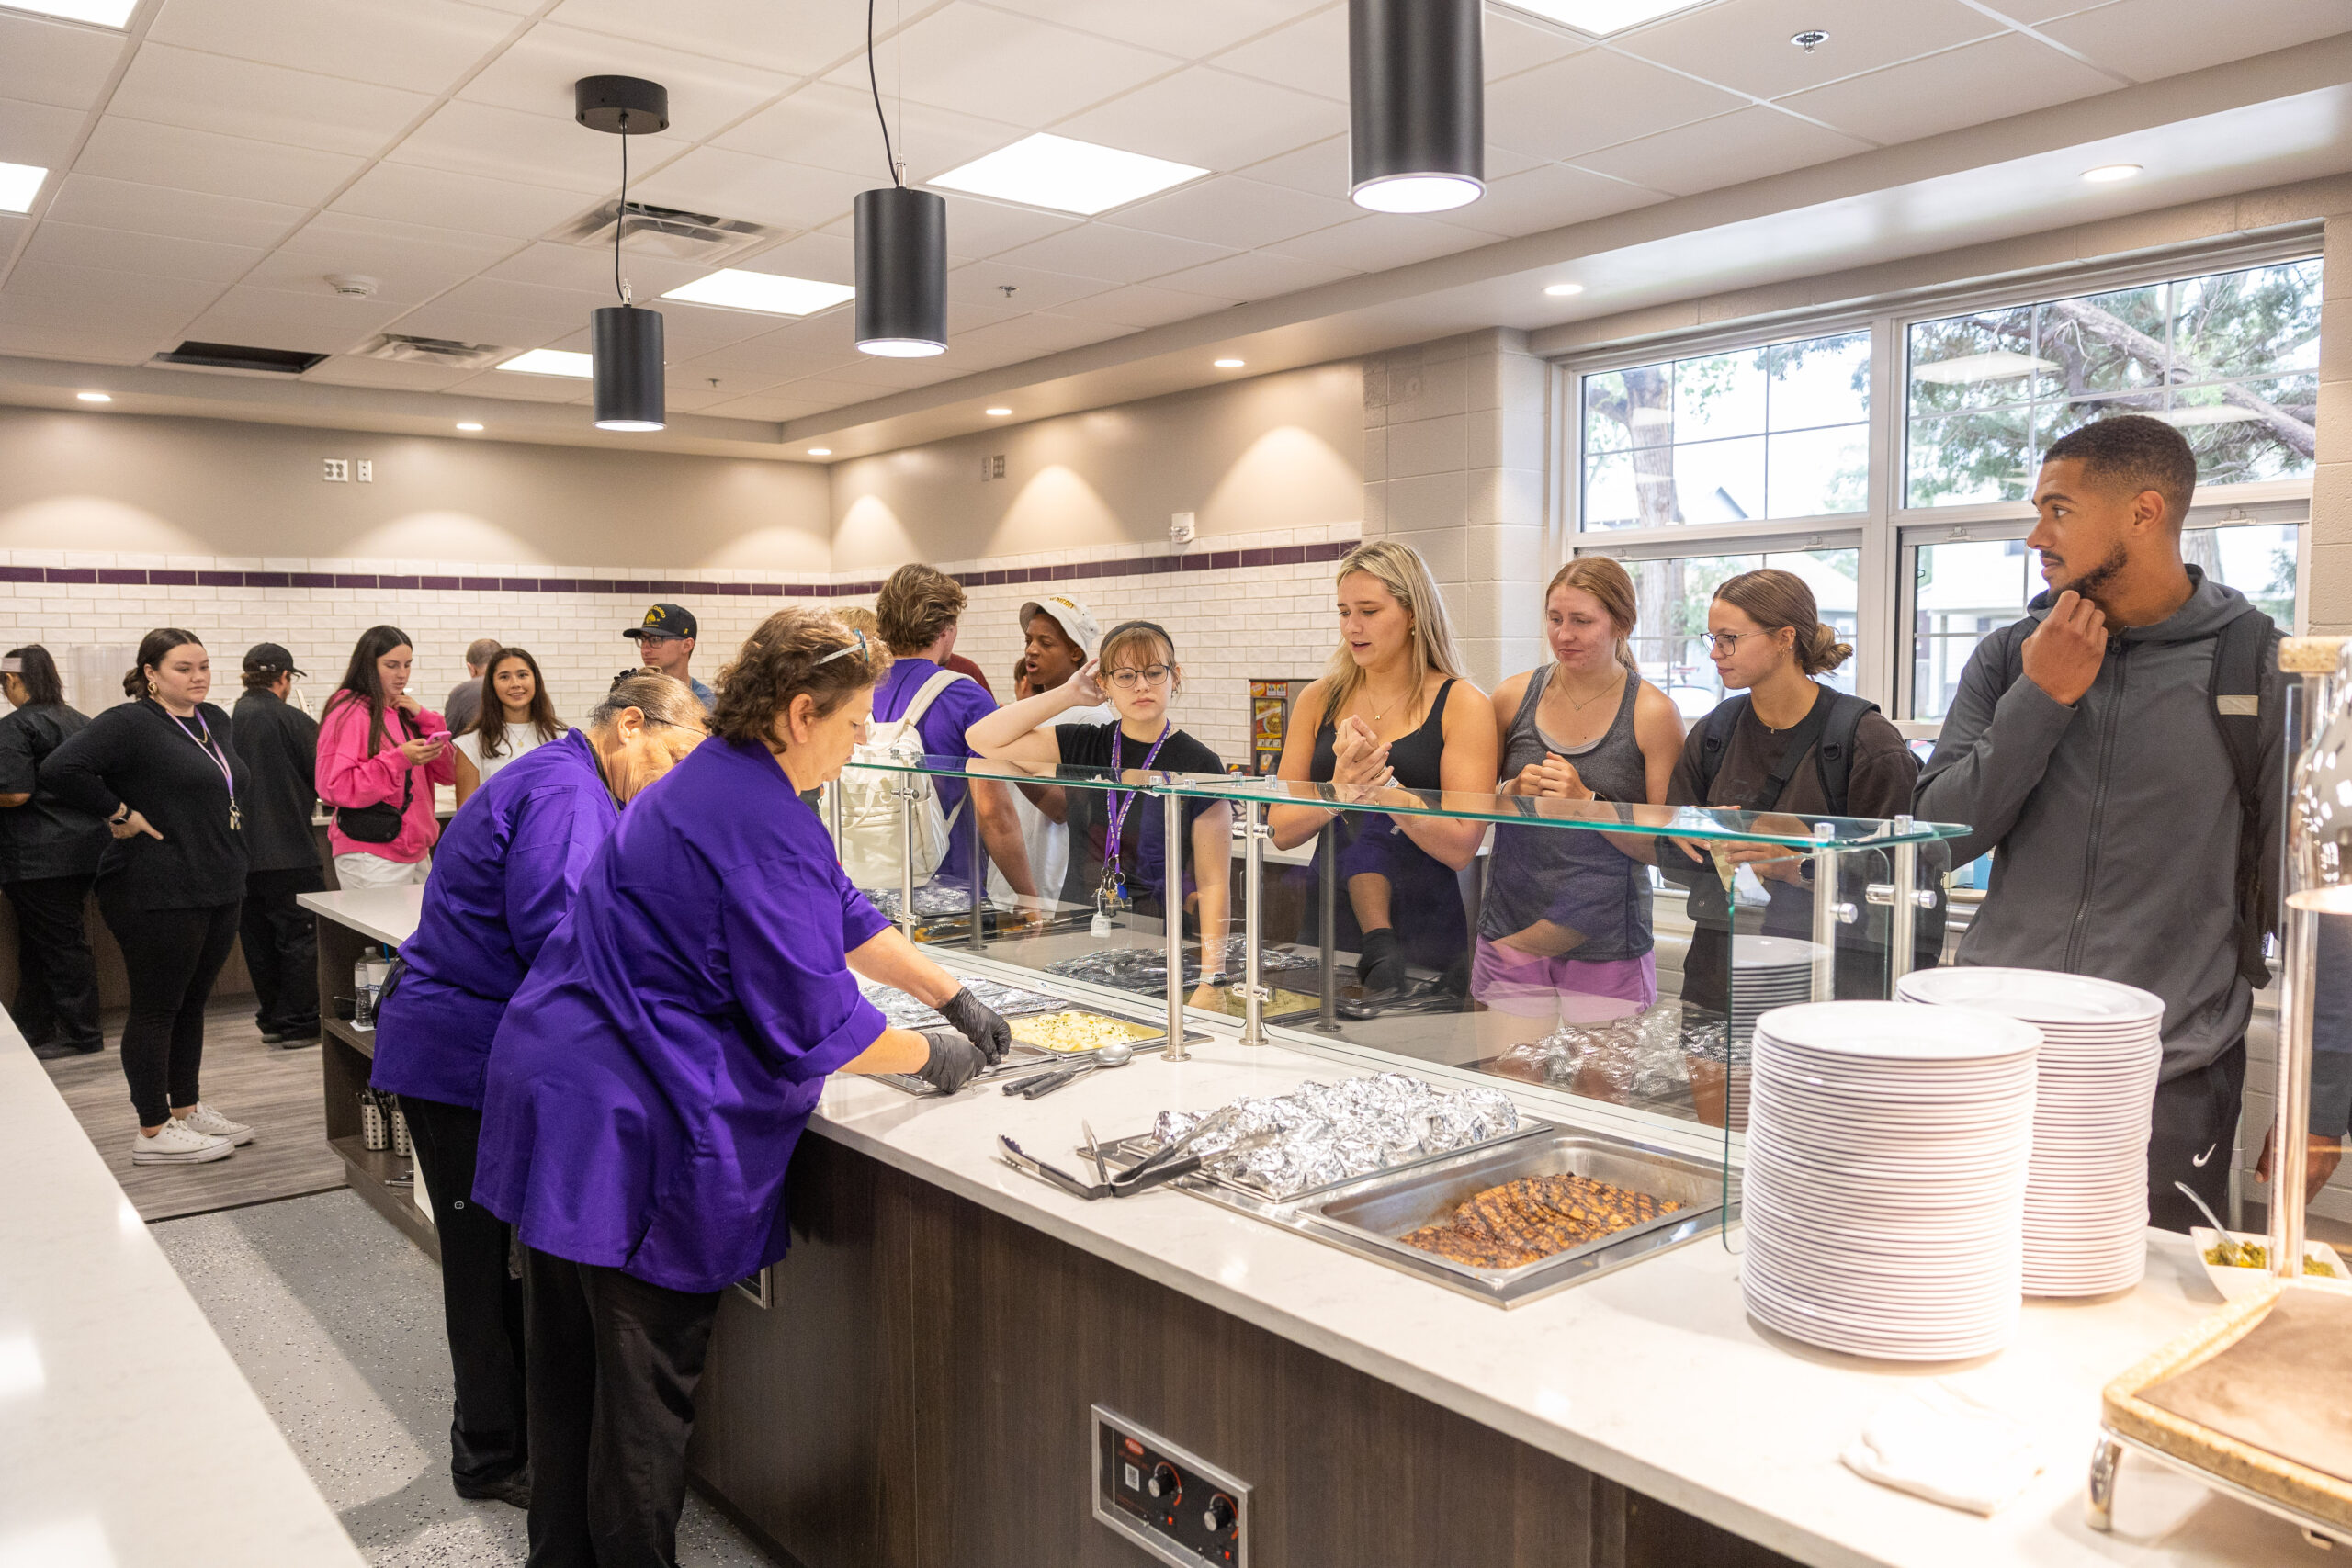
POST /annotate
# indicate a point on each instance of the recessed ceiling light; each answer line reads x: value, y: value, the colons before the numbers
x: 96, y: 397
x: 1229, y: 364
x: 1562, y: 291
x: 468, y: 424
x: 553, y: 362
x: 2107, y: 173
x: 1601, y: 18
x: 773, y: 294
x: 19, y: 183
x: 105, y: 13
x: 999, y: 413
x: 820, y: 451
x: 1066, y: 176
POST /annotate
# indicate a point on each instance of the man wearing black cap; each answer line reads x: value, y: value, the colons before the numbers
x: 667, y: 638
x: 276, y: 792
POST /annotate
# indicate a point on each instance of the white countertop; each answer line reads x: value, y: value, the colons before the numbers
x: 1653, y: 1376
x: 128, y: 1436
x: 387, y: 914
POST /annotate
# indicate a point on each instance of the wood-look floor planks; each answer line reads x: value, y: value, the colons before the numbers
x: 276, y: 1091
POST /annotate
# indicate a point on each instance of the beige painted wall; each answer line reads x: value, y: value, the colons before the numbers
x: 1270, y: 452
x: 128, y: 482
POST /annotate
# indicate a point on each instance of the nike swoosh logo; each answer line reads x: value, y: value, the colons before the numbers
x: 2199, y: 1161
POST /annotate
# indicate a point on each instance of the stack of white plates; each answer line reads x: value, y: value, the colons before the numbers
x: 1766, y: 972
x: 1885, y: 1180
x: 2086, y: 1201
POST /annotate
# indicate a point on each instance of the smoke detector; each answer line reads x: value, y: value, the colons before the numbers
x: 400, y: 348
x: 350, y: 285
x: 700, y: 237
x: 1810, y: 40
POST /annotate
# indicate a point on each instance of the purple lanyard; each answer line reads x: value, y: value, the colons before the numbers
x: 211, y: 749
x: 1112, y: 878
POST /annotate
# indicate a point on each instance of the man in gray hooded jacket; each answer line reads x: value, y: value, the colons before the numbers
x: 2083, y: 748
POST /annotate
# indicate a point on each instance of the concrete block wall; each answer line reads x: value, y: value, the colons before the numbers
x: 2331, y: 586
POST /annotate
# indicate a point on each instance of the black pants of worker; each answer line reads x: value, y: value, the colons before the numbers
x: 612, y: 1368
x: 57, y: 980
x: 481, y: 1305
x: 282, y: 950
x: 171, y: 958
x: 2193, y: 1139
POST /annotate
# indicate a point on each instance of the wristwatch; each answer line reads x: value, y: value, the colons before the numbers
x: 122, y: 815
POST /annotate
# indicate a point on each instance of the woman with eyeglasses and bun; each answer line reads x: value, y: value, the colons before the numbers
x: 1118, y: 860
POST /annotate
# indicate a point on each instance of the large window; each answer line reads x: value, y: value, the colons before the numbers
x: 1670, y: 638
x: 2231, y: 358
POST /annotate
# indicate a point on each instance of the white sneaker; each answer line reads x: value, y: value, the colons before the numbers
x: 202, y: 1118
x: 178, y: 1144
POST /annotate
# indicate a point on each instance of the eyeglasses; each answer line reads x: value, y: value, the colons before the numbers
x: 1726, y: 642
x: 1150, y: 675
x: 845, y: 649
x: 659, y: 637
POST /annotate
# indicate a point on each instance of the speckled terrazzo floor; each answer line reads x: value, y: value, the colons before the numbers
x: 335, y: 1319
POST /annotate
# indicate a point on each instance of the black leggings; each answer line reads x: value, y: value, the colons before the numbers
x: 171, y: 957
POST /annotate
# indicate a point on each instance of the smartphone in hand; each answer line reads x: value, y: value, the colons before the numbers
x: 438, y: 737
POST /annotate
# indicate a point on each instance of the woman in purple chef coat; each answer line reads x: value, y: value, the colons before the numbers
x: 651, y: 1076
x: 508, y: 869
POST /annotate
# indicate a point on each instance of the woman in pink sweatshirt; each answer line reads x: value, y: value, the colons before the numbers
x: 380, y: 752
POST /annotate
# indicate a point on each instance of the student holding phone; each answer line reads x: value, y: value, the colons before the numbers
x: 380, y: 754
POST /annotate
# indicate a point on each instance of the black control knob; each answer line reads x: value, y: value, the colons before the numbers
x: 1165, y: 1484
x: 1217, y: 1518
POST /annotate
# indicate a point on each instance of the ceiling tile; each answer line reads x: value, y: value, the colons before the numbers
x: 517, y: 388
x: 266, y: 103
x: 1030, y: 336
x: 1254, y: 275
x: 1210, y: 119
x: 56, y: 63
x: 502, y: 299
x: 765, y: 359
x: 536, y: 76
x: 1243, y: 213
x: 159, y: 210
x: 1551, y: 197
x: 748, y: 32
x: 440, y: 199
x: 2001, y: 77
x: 72, y: 245
x: 1725, y: 151
x: 823, y: 258
x: 223, y: 165
x: 409, y: 263
x: 1592, y: 99
x: 86, y: 291
x: 422, y: 45
x: 537, y: 149
x: 984, y: 282
x: 1190, y: 32
x: 1144, y: 305
x: 440, y: 320
x: 1521, y: 43
x: 40, y: 336
x: 271, y: 318
x: 1381, y: 240
x: 765, y: 190
x: 1744, y: 44
x: 346, y: 370
x: 833, y: 127
x: 979, y: 61
x: 1112, y: 253
x: 2148, y: 38
x: 40, y: 134
x: 1321, y: 169
x: 1311, y: 54
x: 977, y: 226
x: 588, y: 269
x: 774, y: 410
x: 831, y: 393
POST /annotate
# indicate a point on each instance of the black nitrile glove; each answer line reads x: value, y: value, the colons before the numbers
x: 980, y: 1023
x: 955, y: 1061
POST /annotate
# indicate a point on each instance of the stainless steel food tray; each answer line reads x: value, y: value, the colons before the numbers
x: 1367, y: 1215
x: 1138, y: 1146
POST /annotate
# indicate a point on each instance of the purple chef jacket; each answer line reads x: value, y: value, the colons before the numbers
x: 648, y: 1082
x: 957, y: 708
x: 502, y: 878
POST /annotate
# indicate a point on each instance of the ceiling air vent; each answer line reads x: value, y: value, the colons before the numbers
x: 403, y: 349
x: 666, y: 231
x: 236, y: 356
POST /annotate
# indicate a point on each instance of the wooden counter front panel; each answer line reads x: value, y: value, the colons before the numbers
x: 917, y: 1397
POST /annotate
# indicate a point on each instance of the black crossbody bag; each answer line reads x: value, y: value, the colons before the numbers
x: 380, y: 823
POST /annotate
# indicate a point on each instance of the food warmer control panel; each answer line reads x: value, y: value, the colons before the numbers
x: 1179, y: 1507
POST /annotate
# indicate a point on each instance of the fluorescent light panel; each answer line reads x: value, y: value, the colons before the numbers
x: 105, y: 13
x: 1598, y: 18
x: 768, y: 293
x: 553, y: 362
x: 1064, y: 176
x: 1969, y: 368
x: 19, y: 183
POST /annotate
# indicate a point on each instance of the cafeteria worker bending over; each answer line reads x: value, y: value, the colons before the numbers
x: 652, y: 1075
x: 502, y: 882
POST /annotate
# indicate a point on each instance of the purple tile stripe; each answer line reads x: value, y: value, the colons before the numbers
x: 1146, y: 566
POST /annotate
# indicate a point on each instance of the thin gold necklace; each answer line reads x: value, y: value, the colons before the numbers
x: 1615, y: 685
x: 1379, y: 714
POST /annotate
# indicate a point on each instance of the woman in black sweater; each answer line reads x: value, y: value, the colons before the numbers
x: 159, y: 768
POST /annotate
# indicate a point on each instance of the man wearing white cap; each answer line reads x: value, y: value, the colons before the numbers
x: 1059, y: 636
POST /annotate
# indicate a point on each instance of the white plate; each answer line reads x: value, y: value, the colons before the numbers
x: 2034, y: 995
x: 1890, y: 1032
x: 1768, y: 951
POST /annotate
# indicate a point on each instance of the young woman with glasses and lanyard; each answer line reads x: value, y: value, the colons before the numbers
x: 160, y: 771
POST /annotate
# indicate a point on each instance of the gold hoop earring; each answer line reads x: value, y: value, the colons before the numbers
x: 150, y: 688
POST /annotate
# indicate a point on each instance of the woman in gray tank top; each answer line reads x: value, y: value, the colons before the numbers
x: 1564, y: 932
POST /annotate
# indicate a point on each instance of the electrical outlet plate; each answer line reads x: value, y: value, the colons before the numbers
x: 366, y: 471
x: 338, y: 470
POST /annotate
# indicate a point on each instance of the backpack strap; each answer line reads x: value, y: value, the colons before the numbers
x: 1715, y: 731
x: 2243, y: 649
x: 1834, y: 758
x: 931, y: 689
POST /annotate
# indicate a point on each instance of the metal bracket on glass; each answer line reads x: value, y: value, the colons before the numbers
x: 1882, y: 895
x: 1254, y: 994
x: 1828, y: 913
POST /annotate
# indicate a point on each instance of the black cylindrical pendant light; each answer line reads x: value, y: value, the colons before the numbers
x: 626, y: 344
x: 1418, y: 97
x: 901, y: 272
x: 623, y: 341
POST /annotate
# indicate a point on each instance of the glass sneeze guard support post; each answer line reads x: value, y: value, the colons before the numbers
x: 1902, y: 924
x: 905, y: 793
x: 1171, y: 908
x: 1826, y: 888
x: 979, y: 871
x: 832, y: 793
x: 1253, y: 878
x: 2315, y: 690
x: 1326, y: 908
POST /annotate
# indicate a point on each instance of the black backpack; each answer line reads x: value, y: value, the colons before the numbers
x: 2246, y: 646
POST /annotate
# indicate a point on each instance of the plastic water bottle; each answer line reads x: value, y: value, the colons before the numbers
x: 365, y: 978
